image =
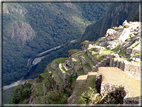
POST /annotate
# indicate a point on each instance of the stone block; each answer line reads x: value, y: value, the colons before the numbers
x: 54, y: 65
x: 86, y: 70
x: 77, y: 67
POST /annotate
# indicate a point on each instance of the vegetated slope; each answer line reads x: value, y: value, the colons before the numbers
x: 117, y: 13
x: 96, y: 30
x: 30, y: 28
x: 102, y: 72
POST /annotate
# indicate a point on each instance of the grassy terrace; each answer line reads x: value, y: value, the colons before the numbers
x: 91, y: 79
x: 40, y: 89
x: 75, y: 57
x: 80, y: 87
x: 83, y: 84
x: 73, y: 51
x: 135, y: 44
x: 87, y: 57
x: 81, y: 72
x: 88, y: 67
x: 43, y: 75
x: 63, y: 69
x: 60, y: 60
x: 45, y: 81
x: 84, y: 42
x: 49, y: 67
x: 56, y: 76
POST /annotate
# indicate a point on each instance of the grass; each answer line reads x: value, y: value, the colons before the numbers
x: 46, y: 82
x: 40, y: 90
x: 94, y: 53
x: 62, y: 68
x: 104, y: 52
x: 116, y: 48
x: 88, y: 67
x: 37, y: 101
x: 43, y: 75
x: 80, y: 87
x: 91, y: 47
x: 60, y: 60
x: 84, y: 42
x: 81, y: 72
x: 73, y: 51
x: 87, y: 57
x: 75, y: 57
x: 56, y: 76
x: 91, y: 79
x: 135, y: 55
x: 135, y: 44
x: 50, y: 68
x: 83, y: 85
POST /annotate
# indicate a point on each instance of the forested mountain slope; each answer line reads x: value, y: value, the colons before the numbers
x: 30, y: 28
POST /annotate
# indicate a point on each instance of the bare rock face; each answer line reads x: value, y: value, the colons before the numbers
x: 21, y: 31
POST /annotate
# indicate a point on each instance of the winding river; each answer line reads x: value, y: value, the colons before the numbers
x: 33, y: 62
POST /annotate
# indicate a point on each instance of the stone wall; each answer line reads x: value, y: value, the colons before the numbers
x: 92, y: 57
x: 86, y: 70
x: 54, y: 65
x: 77, y: 67
x: 133, y: 69
x: 83, y: 60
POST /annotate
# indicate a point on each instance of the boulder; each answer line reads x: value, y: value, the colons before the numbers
x: 136, y: 50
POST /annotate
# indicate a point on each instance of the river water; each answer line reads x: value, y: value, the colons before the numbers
x: 33, y: 64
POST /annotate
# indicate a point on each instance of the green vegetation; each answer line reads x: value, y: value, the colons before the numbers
x: 116, y: 48
x: 40, y: 89
x: 73, y: 51
x: 60, y: 60
x: 87, y: 57
x: 54, y: 24
x: 85, y: 96
x: 53, y: 97
x: 62, y: 68
x: 21, y: 92
x: 43, y: 75
x: 56, y: 76
x: 88, y: 67
x: 135, y: 44
x: 104, y: 52
x: 8, y: 95
x: 50, y: 68
x: 46, y: 82
x: 84, y: 42
x: 81, y: 72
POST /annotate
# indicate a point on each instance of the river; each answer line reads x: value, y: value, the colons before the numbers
x: 33, y: 63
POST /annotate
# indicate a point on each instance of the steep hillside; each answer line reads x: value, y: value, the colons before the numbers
x: 106, y: 71
x: 116, y: 14
x: 30, y: 28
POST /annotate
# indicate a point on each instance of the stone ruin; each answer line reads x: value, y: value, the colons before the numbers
x: 107, y: 84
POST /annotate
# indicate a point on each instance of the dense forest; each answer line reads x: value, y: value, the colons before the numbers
x: 30, y: 28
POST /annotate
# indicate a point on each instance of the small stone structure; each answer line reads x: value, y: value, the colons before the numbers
x: 54, y: 65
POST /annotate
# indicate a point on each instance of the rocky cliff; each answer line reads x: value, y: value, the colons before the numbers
x: 106, y: 71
